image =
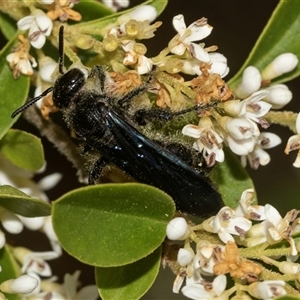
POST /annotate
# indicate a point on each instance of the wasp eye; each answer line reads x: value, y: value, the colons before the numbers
x: 66, y: 86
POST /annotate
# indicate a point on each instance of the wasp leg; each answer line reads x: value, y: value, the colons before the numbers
x: 139, y: 90
x: 96, y: 170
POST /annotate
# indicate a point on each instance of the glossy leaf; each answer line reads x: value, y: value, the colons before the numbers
x: 8, y: 26
x: 96, y: 25
x: 231, y: 174
x: 112, y: 224
x: 13, y: 91
x: 21, y: 204
x: 279, y: 36
x: 92, y: 9
x: 23, y: 149
x: 10, y: 269
x: 131, y: 281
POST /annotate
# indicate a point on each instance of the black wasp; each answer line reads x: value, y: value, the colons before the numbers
x: 101, y: 121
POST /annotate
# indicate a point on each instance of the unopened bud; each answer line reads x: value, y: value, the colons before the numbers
x: 279, y: 96
x: 251, y: 82
x: 282, y: 64
x: 178, y: 229
x: 184, y: 256
x: 25, y: 284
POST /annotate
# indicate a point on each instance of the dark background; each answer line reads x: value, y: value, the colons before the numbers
x: 237, y: 24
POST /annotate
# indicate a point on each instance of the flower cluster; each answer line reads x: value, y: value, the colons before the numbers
x: 259, y: 229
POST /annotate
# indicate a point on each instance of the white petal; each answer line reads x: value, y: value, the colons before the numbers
x: 196, y: 291
x: 192, y: 131
x: 44, y: 23
x: 241, y: 147
x: 32, y: 223
x: 199, y: 31
x: 272, y: 214
x: 179, y: 24
x: 25, y: 23
x: 184, y: 257
x: 198, y: 52
x: 88, y: 292
x: 49, y: 181
x: 219, y: 284
x: 38, y: 42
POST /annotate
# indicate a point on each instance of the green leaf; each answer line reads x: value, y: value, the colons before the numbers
x: 288, y: 297
x: 112, y: 224
x: 92, y: 9
x: 23, y: 149
x: 13, y: 91
x: 131, y: 281
x: 8, y: 26
x: 279, y: 36
x: 21, y: 204
x: 10, y: 269
x: 90, y: 27
x: 231, y: 174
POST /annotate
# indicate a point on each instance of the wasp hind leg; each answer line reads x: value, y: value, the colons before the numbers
x: 96, y: 171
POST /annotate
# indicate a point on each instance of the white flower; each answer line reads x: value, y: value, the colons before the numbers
x: 187, y: 35
x: 177, y: 229
x: 282, y: 64
x: 209, y: 142
x: 247, y: 210
x: 20, y: 61
x: 259, y: 156
x: 254, y: 108
x: 206, y: 257
x: 251, y: 82
x: 226, y: 224
x: 294, y: 143
x: 115, y: 5
x: 39, y: 25
x: 279, y: 96
x: 70, y: 288
x: 205, y: 289
x: 273, y: 229
x: 241, y: 135
x: 34, y: 262
x: 21, y: 179
x: 24, y: 284
x: 134, y: 57
x: 267, y: 289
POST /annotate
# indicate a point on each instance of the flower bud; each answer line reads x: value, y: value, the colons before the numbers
x: 11, y: 222
x: 25, y: 284
x: 288, y: 267
x: 47, y: 67
x: 143, y: 13
x: 178, y: 229
x: 279, y: 96
x: 282, y: 64
x: 184, y: 256
x: 251, y: 82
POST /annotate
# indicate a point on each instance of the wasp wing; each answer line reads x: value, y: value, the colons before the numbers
x: 150, y: 163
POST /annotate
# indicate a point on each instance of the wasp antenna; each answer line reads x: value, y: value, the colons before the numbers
x: 61, y: 50
x: 30, y: 102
